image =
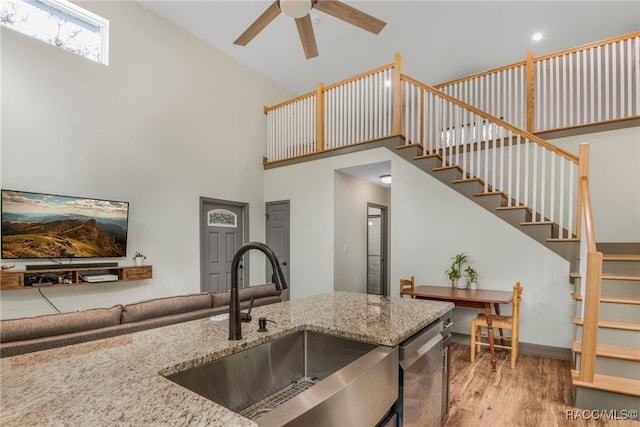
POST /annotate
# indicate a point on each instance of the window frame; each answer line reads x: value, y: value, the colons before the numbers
x: 83, y: 15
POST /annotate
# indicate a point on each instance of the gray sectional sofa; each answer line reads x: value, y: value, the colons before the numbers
x: 25, y: 335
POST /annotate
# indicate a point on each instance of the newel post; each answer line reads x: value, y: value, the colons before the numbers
x: 530, y: 71
x: 583, y: 171
x: 397, y: 95
x: 320, y: 117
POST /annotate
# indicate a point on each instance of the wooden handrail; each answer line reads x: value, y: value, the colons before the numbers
x: 589, y: 230
x: 583, y: 172
x: 290, y: 101
x: 588, y: 46
x: 359, y: 76
x: 481, y: 74
x: 538, y: 59
x: 593, y: 283
x: 496, y: 120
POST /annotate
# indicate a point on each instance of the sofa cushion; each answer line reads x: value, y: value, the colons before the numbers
x: 164, y: 307
x: 58, y: 324
x: 258, y: 291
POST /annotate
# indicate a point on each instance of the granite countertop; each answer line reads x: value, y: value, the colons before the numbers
x: 118, y: 381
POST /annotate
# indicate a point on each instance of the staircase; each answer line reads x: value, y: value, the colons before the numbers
x: 469, y: 134
x: 616, y: 382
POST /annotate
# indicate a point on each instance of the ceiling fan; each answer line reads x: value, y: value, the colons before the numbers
x: 299, y: 9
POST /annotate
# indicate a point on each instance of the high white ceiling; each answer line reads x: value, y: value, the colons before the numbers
x: 438, y: 40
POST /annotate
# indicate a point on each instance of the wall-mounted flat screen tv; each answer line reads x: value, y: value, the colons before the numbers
x: 36, y: 225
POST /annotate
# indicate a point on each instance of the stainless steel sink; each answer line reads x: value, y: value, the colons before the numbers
x: 305, y: 378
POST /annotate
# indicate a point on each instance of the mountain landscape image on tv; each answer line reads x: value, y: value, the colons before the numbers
x: 36, y: 225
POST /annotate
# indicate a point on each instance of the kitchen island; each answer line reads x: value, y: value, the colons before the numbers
x: 120, y: 380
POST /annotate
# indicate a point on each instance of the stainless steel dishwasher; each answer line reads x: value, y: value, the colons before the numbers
x: 423, y: 396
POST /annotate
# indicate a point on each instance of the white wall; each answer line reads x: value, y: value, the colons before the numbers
x: 350, y: 230
x: 430, y: 223
x: 169, y: 120
x: 614, y: 181
x: 310, y: 188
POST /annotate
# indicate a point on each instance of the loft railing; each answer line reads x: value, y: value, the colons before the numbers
x: 591, y: 271
x: 595, y: 83
x: 356, y: 110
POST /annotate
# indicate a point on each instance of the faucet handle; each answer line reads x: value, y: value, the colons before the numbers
x: 246, y: 317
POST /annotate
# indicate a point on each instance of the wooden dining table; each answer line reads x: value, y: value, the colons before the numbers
x: 477, y: 298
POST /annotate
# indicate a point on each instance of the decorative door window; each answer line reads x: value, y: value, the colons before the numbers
x: 222, y: 218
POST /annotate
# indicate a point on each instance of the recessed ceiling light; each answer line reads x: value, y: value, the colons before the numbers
x: 536, y: 37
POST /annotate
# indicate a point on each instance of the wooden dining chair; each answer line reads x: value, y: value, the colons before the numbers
x: 407, y: 285
x: 511, y: 322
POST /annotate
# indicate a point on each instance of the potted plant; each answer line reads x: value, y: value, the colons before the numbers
x: 139, y: 258
x: 472, y: 274
x: 455, y: 272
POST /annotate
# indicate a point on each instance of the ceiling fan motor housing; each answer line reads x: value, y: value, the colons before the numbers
x: 296, y: 8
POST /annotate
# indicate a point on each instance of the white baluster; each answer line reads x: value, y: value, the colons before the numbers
x: 564, y: 90
x: 534, y: 181
x: 571, y: 201
x: 571, y: 95
x: 543, y: 180
x: 561, y: 198
x: 552, y: 188
x: 599, y: 82
x: 593, y: 83
x: 607, y: 82
x: 636, y: 64
x: 525, y: 199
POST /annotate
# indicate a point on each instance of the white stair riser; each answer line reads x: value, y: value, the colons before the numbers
x: 625, y: 268
x: 596, y: 399
x: 618, y: 288
x: 614, y: 367
x: 615, y: 337
x: 615, y: 311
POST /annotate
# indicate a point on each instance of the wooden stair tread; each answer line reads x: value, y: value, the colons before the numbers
x: 563, y: 239
x: 443, y: 168
x: 608, y: 383
x: 612, y: 299
x: 610, y: 351
x: 619, y: 277
x: 490, y: 193
x: 620, y: 257
x: 427, y: 156
x: 506, y: 208
x: 611, y: 324
x: 410, y: 145
x: 461, y: 181
x: 575, y: 275
x: 525, y: 223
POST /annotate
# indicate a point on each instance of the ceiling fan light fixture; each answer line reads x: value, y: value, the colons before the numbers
x: 296, y: 8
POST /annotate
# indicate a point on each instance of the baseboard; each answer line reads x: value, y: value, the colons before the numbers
x: 561, y: 353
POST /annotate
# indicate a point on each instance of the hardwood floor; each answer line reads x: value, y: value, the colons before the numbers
x: 536, y: 393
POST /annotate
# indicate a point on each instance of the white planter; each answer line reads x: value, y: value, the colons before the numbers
x: 138, y: 261
x: 473, y: 285
x: 462, y: 282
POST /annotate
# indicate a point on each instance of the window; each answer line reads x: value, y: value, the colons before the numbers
x: 222, y: 218
x: 59, y: 23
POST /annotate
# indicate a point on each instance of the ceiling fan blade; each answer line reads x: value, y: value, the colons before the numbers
x: 259, y: 24
x: 349, y: 14
x: 307, y: 37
